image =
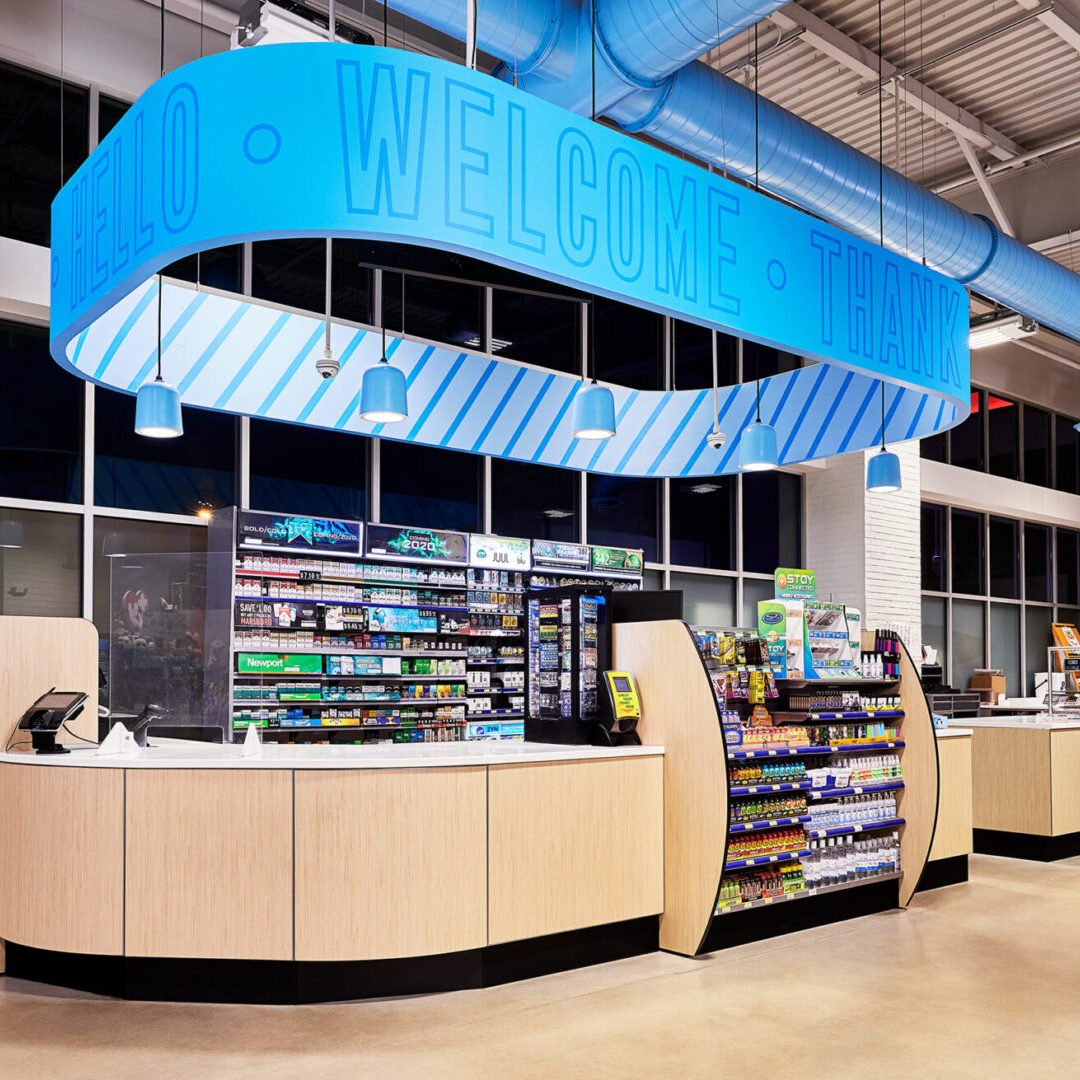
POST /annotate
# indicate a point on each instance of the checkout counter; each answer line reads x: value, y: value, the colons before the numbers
x: 307, y: 873
x: 1026, y: 773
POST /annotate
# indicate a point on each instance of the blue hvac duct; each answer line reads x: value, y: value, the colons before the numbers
x: 647, y: 83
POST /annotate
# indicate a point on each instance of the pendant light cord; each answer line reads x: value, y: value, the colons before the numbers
x: 881, y: 134
x: 591, y: 309
x: 160, y: 279
x: 592, y: 28
x: 592, y: 337
x: 883, y: 415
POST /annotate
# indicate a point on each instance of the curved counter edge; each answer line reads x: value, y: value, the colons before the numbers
x: 286, y: 875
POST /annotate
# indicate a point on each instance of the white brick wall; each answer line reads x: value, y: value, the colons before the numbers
x: 865, y: 547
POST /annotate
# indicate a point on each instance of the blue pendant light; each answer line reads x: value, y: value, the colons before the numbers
x: 594, y: 407
x: 157, y: 404
x: 883, y: 470
x: 594, y: 413
x: 384, y: 397
x: 757, y: 445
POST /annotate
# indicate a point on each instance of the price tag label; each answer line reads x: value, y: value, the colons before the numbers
x: 310, y: 575
x: 352, y: 624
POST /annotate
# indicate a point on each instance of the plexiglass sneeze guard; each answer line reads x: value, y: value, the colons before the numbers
x: 166, y: 642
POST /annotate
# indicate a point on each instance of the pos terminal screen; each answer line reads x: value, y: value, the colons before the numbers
x: 51, y: 710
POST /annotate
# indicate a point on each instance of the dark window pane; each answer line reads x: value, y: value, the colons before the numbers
x: 353, y: 293
x: 933, y: 629
x: 432, y: 488
x: 934, y: 447
x: 220, y: 268
x: 1068, y: 566
x: 693, y: 357
x: 110, y: 112
x: 624, y: 512
x: 1005, y: 644
x: 754, y: 590
x: 1037, y: 580
x: 968, y: 640
x: 30, y: 148
x: 1037, y: 622
x: 290, y: 272
x: 534, y: 500
x: 629, y: 345
x: 1004, y: 558
x: 1036, y: 446
x: 707, y: 600
x: 306, y: 470
x: 761, y: 361
x: 966, y: 440
x: 40, y: 444
x: 934, y: 556
x: 703, y: 522
x: 438, y: 310
x: 175, y: 476
x: 1003, y: 435
x: 968, y: 552
x: 1066, y: 447
x: 772, y: 521
x: 43, y: 574
x: 539, y: 330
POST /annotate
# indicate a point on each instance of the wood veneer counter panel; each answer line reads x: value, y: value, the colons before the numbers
x: 918, y: 802
x: 390, y: 863
x: 209, y: 863
x: 1065, y: 781
x: 62, y: 860
x: 573, y: 845
x: 1010, y: 772
x: 679, y: 712
x: 953, y: 834
x: 39, y: 653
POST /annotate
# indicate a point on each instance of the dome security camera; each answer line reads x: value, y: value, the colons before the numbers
x: 327, y: 365
x: 716, y: 439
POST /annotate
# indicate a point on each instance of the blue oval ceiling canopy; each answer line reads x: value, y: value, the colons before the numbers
x: 404, y: 148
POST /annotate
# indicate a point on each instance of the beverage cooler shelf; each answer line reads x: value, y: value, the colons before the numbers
x: 767, y: 823
x: 819, y: 890
x: 863, y: 827
x: 765, y: 860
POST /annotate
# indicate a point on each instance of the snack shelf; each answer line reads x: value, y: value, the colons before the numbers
x: 768, y: 823
x: 816, y: 891
x: 817, y: 794
x: 765, y: 860
x: 832, y: 748
x: 764, y: 789
x: 863, y: 827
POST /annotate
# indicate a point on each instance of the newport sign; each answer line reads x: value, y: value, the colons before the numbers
x: 353, y: 141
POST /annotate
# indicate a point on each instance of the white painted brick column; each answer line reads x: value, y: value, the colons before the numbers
x: 865, y: 546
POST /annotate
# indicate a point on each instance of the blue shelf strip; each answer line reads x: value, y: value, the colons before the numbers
x: 764, y: 789
x: 771, y: 823
x: 765, y: 860
x: 879, y: 714
x: 804, y: 751
x: 867, y: 788
x: 847, y: 830
x: 495, y: 712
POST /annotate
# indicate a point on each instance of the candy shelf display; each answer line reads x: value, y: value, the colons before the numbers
x: 350, y: 632
x: 818, y: 791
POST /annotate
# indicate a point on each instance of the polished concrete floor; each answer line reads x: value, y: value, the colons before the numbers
x: 976, y: 980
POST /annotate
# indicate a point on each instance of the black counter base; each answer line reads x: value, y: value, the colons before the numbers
x: 1015, y: 845
x: 942, y: 872
x: 786, y: 917
x: 289, y: 982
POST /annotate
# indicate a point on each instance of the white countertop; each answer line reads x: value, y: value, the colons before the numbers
x: 175, y: 754
x: 1020, y: 705
x: 1027, y: 722
x: 953, y: 732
